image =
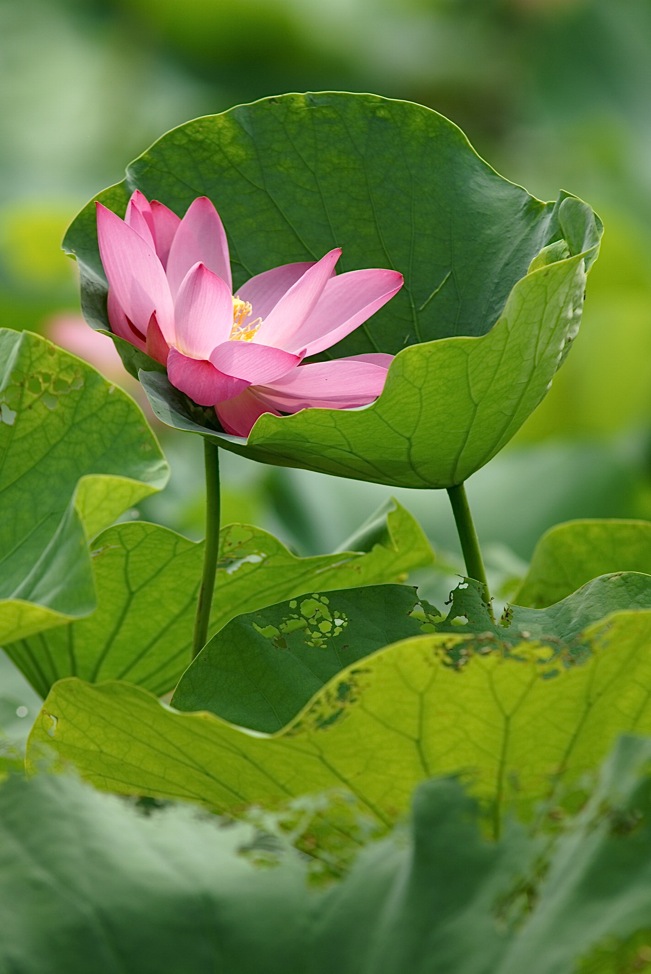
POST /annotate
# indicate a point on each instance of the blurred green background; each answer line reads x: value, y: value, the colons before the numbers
x: 553, y: 93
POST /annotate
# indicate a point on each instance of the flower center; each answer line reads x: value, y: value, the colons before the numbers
x: 242, y: 330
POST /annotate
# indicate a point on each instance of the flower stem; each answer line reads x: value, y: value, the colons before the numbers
x: 469, y: 540
x: 211, y: 550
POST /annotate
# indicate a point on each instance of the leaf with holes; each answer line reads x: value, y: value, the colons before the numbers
x: 264, y: 666
x: 563, y: 621
x: 522, y: 721
x: 494, y: 279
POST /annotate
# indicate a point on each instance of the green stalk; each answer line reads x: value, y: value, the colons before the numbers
x: 211, y: 550
x: 469, y: 540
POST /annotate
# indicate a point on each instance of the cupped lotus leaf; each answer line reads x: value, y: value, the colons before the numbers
x: 570, y: 554
x: 524, y: 723
x: 138, y: 565
x: 493, y: 272
x: 447, y: 407
x: 75, y: 452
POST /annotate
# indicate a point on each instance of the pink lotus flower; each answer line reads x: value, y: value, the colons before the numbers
x: 170, y: 294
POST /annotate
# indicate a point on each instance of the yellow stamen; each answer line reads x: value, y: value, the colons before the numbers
x: 243, y: 331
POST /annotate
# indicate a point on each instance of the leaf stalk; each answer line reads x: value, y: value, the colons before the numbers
x: 469, y: 540
x: 211, y: 550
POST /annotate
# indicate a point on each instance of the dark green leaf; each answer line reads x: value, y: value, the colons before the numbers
x: 393, y: 183
x: 454, y: 902
x: 263, y: 667
x: 89, y: 883
x: 563, y: 621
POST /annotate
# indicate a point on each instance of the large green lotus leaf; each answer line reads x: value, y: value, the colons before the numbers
x: 262, y: 668
x: 569, y: 554
x: 158, y: 883
x: 90, y: 883
x: 522, y: 721
x: 75, y: 452
x: 395, y: 185
x: 138, y: 566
